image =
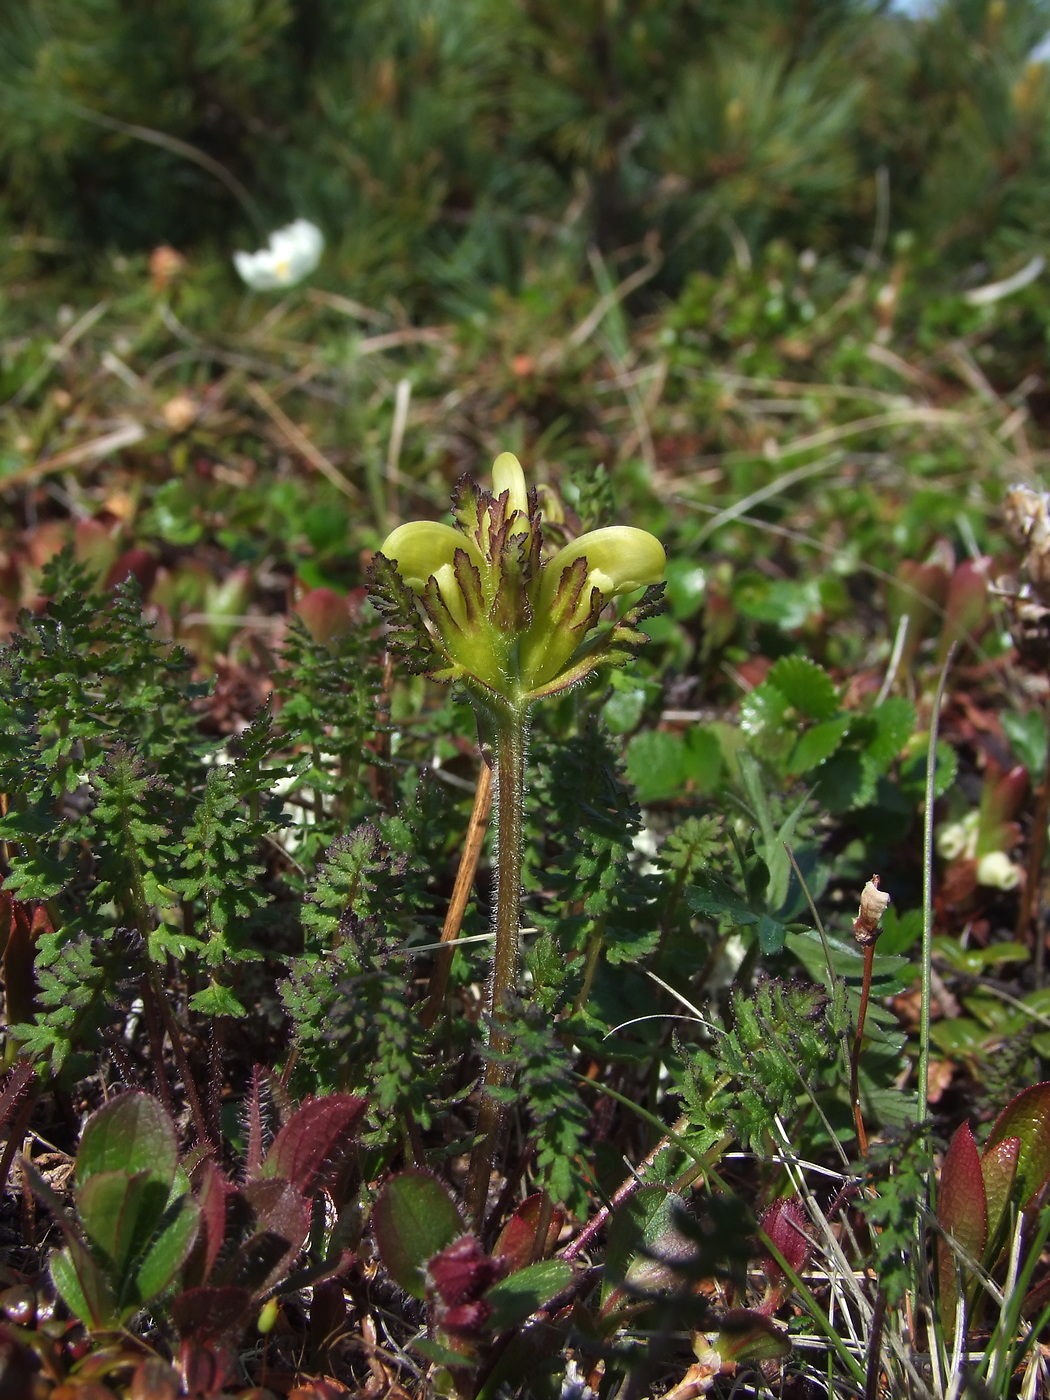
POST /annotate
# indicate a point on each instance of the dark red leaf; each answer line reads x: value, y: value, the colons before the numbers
x: 207, y: 1314
x: 462, y: 1271
x: 518, y: 1236
x: 313, y: 1139
x: 963, y: 1212
x: 785, y: 1224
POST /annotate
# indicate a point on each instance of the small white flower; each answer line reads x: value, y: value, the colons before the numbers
x: 998, y: 870
x: 954, y: 839
x: 293, y: 254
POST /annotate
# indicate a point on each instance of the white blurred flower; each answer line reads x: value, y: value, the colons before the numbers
x: 293, y: 254
x: 954, y: 839
x: 998, y: 870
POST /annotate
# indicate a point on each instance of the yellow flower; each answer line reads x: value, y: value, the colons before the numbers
x: 512, y: 625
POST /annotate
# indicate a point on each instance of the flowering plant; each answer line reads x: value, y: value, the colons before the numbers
x: 292, y: 254
x: 482, y: 603
x: 493, y: 612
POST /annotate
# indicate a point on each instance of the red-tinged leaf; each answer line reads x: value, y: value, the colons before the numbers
x: 328, y: 1322
x: 961, y: 1203
x: 212, y: 1195
x: 206, y: 1367
x: 999, y: 1169
x: 786, y: 1225
x: 1027, y: 1117
x: 154, y: 1379
x: 321, y: 1389
x: 465, y: 1323
x: 966, y: 608
x: 918, y: 591
x: 1007, y: 795
x: 15, y: 1086
x: 326, y: 614
x: 313, y: 1139
x: 206, y: 1314
x: 19, y: 952
x: 266, y: 1256
x: 253, y: 1155
x: 413, y: 1219
x: 131, y: 1133
x: 518, y: 1237
x: 138, y: 564
x: 963, y: 1213
x: 746, y: 1335
x: 462, y: 1271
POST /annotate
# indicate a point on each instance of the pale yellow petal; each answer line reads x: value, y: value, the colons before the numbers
x: 619, y: 558
x: 424, y: 547
x: 507, y: 475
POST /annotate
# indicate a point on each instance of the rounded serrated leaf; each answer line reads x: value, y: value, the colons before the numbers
x: 413, y: 1220
x: 132, y: 1133
x: 806, y: 686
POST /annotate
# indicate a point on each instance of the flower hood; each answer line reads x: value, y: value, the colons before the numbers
x: 494, y: 610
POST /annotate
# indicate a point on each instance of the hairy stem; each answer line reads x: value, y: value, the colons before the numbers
x: 510, y: 802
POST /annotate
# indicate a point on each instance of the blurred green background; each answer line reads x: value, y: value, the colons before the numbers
x: 435, y: 141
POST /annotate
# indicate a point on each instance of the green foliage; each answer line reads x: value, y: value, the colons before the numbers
x: 135, y: 1219
x: 899, y: 1172
x: 414, y: 1219
x: 353, y: 1023
x: 781, y: 1050
x: 329, y: 696
x: 603, y: 911
x: 124, y: 817
x: 723, y: 124
x: 542, y: 1066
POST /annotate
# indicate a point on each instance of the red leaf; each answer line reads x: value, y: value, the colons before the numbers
x: 999, y: 1168
x: 785, y: 1224
x: 207, y: 1314
x: 212, y: 1195
x: 518, y: 1236
x: 746, y: 1335
x: 315, y: 1136
x: 462, y: 1272
x: 962, y: 1211
x: 1027, y: 1117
